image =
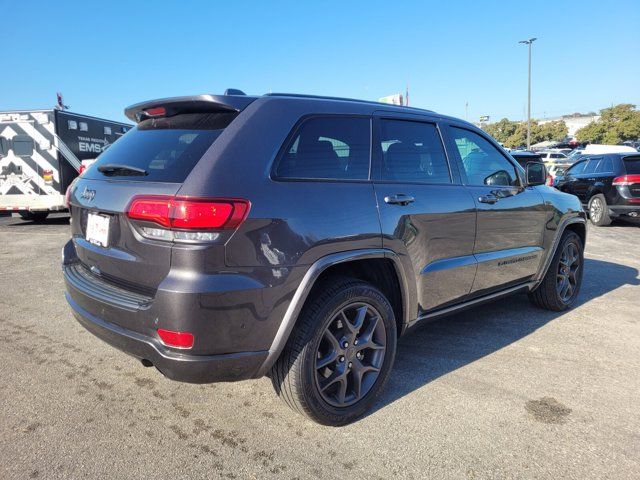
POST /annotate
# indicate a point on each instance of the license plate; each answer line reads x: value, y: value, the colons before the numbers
x: 98, y: 229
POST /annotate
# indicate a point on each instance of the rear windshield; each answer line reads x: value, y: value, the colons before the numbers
x: 632, y: 165
x: 166, y: 148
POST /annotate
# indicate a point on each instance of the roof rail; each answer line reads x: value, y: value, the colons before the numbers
x: 191, y: 104
x: 343, y: 99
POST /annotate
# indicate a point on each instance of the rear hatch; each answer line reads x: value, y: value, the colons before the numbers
x: 632, y: 177
x: 151, y: 160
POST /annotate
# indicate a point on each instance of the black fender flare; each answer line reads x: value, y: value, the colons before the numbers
x: 313, y: 273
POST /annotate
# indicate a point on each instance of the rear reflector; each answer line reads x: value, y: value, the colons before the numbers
x: 186, y: 213
x: 176, y: 339
x: 626, y: 180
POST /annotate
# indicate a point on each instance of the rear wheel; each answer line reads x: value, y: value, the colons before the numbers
x: 34, y: 216
x: 598, y: 211
x: 561, y: 284
x: 340, y: 353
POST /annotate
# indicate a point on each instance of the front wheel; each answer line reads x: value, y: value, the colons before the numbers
x: 560, y: 286
x: 340, y: 353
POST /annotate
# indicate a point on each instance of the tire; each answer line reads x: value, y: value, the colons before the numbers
x: 34, y: 216
x: 549, y: 294
x: 328, y: 394
x: 598, y: 211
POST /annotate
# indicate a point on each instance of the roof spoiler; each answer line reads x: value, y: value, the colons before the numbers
x: 191, y: 104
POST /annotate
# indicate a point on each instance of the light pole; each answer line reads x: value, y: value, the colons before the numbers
x: 529, y: 42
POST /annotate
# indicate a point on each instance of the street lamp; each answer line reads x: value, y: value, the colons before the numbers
x: 529, y: 42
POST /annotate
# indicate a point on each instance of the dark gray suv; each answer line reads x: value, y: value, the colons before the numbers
x: 229, y: 237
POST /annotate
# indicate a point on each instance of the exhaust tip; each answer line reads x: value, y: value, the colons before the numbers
x: 146, y: 363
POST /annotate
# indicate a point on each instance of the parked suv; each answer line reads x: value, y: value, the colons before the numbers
x: 608, y: 185
x: 228, y: 237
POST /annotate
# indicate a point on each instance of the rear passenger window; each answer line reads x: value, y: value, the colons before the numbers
x: 482, y: 162
x: 22, y: 146
x: 328, y: 148
x: 412, y: 152
x: 605, y: 166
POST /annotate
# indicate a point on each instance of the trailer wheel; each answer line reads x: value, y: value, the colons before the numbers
x: 34, y: 216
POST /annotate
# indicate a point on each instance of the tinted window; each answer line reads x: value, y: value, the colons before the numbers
x: 412, y: 152
x: 605, y: 166
x: 22, y: 145
x: 592, y: 165
x: 4, y: 146
x: 577, y: 169
x: 167, y: 148
x: 482, y: 162
x: 632, y: 165
x: 328, y: 147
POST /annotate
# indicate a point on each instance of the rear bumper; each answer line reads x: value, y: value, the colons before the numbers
x: 174, y: 365
x: 633, y: 210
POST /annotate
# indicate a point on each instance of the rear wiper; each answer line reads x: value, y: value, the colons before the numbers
x: 116, y: 168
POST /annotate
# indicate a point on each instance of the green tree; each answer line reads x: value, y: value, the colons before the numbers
x: 616, y: 125
x: 553, y: 131
x: 501, y: 130
x: 514, y: 134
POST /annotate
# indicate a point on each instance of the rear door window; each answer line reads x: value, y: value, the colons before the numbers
x: 577, y: 169
x: 592, y: 165
x: 332, y: 147
x: 632, y: 165
x: 166, y: 148
x: 412, y: 152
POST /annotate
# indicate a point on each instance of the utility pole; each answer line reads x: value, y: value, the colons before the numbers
x: 529, y: 43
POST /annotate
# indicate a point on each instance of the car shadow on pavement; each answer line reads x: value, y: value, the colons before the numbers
x: 444, y: 345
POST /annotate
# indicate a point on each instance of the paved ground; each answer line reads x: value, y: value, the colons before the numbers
x: 505, y: 391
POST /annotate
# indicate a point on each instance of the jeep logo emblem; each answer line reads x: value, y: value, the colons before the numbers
x: 88, y: 194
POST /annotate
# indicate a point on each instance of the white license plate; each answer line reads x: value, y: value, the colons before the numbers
x: 98, y: 229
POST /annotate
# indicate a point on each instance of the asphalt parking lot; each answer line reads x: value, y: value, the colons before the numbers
x: 503, y: 391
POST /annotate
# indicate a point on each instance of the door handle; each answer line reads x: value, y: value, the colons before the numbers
x: 399, y: 199
x: 490, y: 199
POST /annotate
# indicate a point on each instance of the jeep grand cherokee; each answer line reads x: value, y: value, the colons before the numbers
x: 228, y: 237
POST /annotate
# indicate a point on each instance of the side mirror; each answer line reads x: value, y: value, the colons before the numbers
x: 536, y: 174
x: 501, y: 177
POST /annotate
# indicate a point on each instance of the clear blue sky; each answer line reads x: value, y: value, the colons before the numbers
x: 106, y: 55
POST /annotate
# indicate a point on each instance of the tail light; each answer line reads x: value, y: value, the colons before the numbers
x: 626, y: 180
x: 155, y: 112
x: 186, y: 218
x: 176, y: 339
